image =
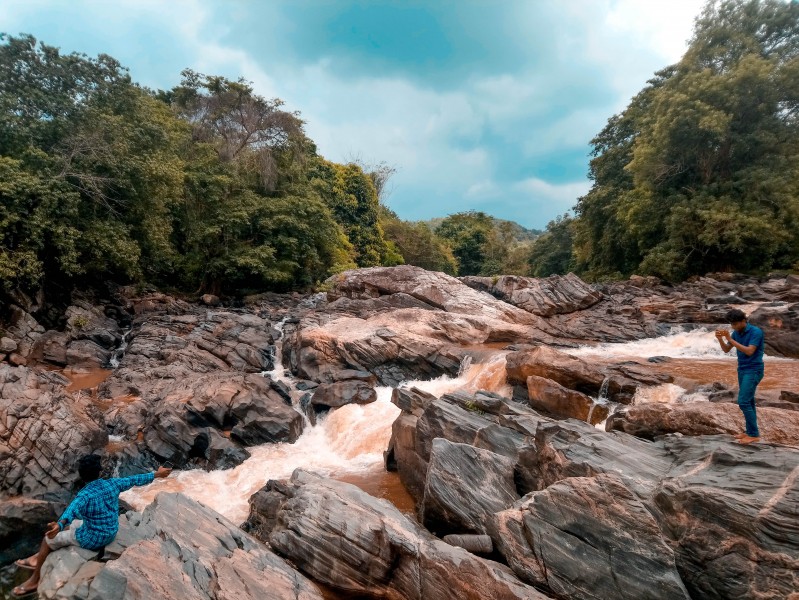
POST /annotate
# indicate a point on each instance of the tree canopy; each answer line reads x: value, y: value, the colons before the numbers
x: 701, y: 171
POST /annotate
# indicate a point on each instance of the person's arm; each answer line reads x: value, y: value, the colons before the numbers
x: 748, y: 350
x: 125, y: 483
x: 72, y: 510
x: 720, y: 334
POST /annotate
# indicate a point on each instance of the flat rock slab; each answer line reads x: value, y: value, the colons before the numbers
x: 704, y: 418
x: 176, y: 548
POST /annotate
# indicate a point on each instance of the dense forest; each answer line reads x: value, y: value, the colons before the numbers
x: 209, y: 187
x: 700, y: 172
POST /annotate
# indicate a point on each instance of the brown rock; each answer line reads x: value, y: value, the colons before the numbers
x: 551, y: 397
x: 343, y: 392
x: 704, y: 418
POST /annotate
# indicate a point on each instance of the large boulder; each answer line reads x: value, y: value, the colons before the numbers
x: 552, y: 398
x: 730, y: 512
x: 557, y: 294
x: 464, y: 486
x: 22, y: 523
x: 175, y: 548
x: 780, y: 325
x: 355, y: 543
x: 43, y: 431
x: 585, y: 538
x: 703, y: 418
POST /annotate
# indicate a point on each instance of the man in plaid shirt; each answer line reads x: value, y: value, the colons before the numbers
x: 92, y: 519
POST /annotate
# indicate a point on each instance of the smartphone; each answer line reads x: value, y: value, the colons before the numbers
x: 168, y: 465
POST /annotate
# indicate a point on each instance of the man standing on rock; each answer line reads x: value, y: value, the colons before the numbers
x: 93, y: 514
x: 748, y: 342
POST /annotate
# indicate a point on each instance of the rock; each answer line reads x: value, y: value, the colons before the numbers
x: 51, y: 347
x: 557, y: 294
x: 476, y: 544
x: 43, y: 432
x: 733, y: 540
x: 210, y: 300
x: 22, y: 523
x: 17, y: 359
x: 780, y: 325
x: 564, y: 449
x: 587, y: 538
x: 787, y: 396
x: 191, y: 416
x: 411, y: 400
x: 464, y: 486
x: 7, y: 345
x: 343, y: 392
x: 344, y: 538
x: 701, y: 418
x: 175, y: 548
x: 554, y: 399
x: 87, y: 353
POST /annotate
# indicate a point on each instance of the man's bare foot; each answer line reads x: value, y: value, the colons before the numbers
x: 739, y: 436
x: 24, y: 590
x: 27, y: 563
x: 748, y: 440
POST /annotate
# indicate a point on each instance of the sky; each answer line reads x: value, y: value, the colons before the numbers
x: 478, y: 105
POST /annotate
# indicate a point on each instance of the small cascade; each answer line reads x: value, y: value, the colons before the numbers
x: 115, y: 359
x: 349, y: 439
x: 602, y: 397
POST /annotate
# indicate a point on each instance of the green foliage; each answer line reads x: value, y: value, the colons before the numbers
x: 352, y: 197
x: 417, y: 244
x: 701, y: 171
x: 551, y: 254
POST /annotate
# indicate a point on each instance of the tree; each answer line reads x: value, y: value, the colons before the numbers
x: 701, y: 171
x: 417, y: 244
x: 551, y: 254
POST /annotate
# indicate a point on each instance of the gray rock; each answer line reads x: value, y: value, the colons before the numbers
x: 585, y: 538
x: 7, y: 345
x: 342, y: 537
x: 343, y: 392
x: 175, y: 548
x: 464, y: 486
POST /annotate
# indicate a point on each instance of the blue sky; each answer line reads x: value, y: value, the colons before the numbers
x: 479, y: 105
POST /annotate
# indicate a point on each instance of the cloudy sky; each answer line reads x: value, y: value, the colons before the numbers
x: 485, y: 105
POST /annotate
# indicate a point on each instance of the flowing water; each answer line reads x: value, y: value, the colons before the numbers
x: 347, y: 443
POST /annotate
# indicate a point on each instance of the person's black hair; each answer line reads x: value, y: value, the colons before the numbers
x: 735, y: 316
x: 89, y: 467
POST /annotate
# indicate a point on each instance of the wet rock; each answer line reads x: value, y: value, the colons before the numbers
x: 191, y: 416
x: 557, y: 294
x: 411, y: 400
x: 700, y: 418
x: 464, y: 486
x: 174, y: 535
x: 786, y: 396
x: 554, y: 399
x: 51, y: 347
x: 87, y: 322
x: 586, y: 538
x: 342, y: 537
x: 780, y: 325
x: 343, y: 392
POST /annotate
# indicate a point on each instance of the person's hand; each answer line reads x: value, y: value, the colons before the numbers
x: 52, y: 530
x: 725, y: 334
x: 163, y: 472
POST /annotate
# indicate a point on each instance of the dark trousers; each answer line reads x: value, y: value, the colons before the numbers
x: 747, y: 384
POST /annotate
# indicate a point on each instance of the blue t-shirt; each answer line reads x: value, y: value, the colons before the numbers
x: 750, y: 336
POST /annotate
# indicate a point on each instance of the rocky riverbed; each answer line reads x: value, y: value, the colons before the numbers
x: 583, y: 445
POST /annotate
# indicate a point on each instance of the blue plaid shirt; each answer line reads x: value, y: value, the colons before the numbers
x: 97, y: 505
